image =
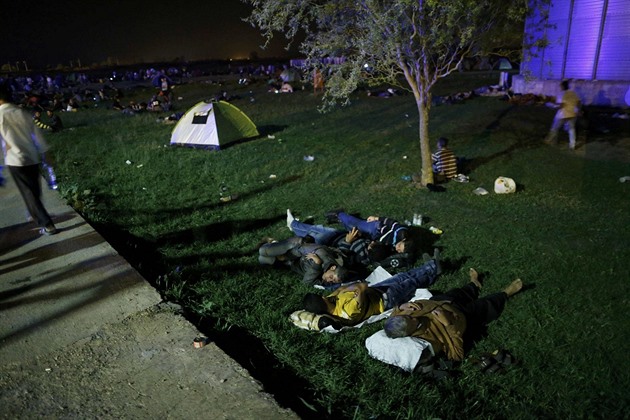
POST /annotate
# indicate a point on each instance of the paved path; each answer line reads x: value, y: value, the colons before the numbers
x: 67, y: 300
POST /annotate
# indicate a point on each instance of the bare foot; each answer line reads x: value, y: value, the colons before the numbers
x: 513, y: 288
x: 474, y: 278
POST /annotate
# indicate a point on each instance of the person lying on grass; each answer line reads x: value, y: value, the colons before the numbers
x: 317, y: 264
x: 352, y: 304
x: 364, y: 251
x: 449, y: 321
x: 385, y: 230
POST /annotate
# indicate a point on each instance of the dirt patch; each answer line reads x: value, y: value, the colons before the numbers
x: 143, y: 367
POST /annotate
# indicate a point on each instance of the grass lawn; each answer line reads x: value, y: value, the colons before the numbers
x: 564, y: 233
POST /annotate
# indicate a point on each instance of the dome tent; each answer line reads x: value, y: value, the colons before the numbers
x: 212, y: 124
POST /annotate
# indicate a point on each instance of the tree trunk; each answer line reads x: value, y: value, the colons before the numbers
x: 425, y: 147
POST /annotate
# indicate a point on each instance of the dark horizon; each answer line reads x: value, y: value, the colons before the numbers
x: 72, y: 32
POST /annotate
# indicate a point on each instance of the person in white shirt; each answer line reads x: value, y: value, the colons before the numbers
x: 24, y: 147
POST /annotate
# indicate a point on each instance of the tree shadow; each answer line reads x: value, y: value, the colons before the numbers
x: 165, y: 213
x: 497, y: 121
x: 216, y: 232
x: 265, y: 130
x: 469, y: 165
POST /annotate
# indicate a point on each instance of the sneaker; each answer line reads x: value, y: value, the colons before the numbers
x: 290, y: 219
x: 461, y: 178
x: 48, y: 230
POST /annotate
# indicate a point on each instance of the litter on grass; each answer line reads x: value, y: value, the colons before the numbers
x: 504, y: 185
x: 480, y: 191
x: 309, y: 158
x: 624, y: 178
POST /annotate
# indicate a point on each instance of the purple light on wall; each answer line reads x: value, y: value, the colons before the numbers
x: 587, y: 39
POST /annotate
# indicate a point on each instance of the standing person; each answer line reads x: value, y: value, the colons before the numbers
x: 318, y: 81
x: 24, y: 146
x: 569, y: 104
x: 444, y: 162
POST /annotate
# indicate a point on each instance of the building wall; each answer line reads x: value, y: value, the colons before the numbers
x: 587, y: 41
x: 591, y: 92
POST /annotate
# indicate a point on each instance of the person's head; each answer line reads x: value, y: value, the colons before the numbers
x: 406, y: 246
x: 564, y: 85
x: 400, y: 326
x: 314, y: 303
x: 442, y: 142
x: 49, y: 112
x: 335, y: 274
x: 5, y: 93
x: 377, y: 251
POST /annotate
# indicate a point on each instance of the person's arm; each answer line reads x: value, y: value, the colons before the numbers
x: 355, y: 308
x: 361, y: 252
x: 311, y: 266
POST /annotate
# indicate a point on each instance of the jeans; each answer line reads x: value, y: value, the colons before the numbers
x: 402, y: 287
x: 569, y: 125
x: 369, y: 228
x: 292, y: 248
x: 323, y: 235
x: 27, y: 179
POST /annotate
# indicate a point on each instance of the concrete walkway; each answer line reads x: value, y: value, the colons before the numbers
x: 65, y: 293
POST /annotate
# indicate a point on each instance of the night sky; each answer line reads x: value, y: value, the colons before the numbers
x: 52, y: 32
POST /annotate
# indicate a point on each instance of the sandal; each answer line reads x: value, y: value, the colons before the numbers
x: 504, y: 357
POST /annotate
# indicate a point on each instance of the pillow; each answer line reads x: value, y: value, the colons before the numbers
x: 403, y: 352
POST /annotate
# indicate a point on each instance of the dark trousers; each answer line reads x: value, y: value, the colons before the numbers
x: 478, y: 311
x: 28, y: 181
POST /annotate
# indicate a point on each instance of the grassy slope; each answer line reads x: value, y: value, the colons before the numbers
x: 565, y: 234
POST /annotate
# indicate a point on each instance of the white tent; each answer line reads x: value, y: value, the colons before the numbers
x: 211, y: 125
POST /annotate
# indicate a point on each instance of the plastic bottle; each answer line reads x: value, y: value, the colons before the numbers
x: 436, y: 231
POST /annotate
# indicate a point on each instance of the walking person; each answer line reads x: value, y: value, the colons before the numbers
x: 569, y: 104
x: 23, y: 147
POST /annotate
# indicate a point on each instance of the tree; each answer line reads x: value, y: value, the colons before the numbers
x: 410, y: 44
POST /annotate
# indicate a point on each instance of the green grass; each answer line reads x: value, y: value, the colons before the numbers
x: 565, y: 233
